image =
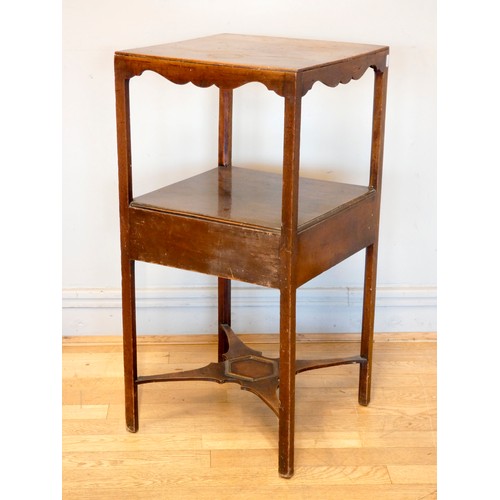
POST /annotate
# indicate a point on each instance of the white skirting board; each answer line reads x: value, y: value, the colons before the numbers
x: 193, y: 310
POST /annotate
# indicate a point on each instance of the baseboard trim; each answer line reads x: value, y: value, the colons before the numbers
x: 192, y: 310
x: 387, y: 296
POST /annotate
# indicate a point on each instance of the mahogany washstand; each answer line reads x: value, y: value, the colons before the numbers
x: 274, y: 230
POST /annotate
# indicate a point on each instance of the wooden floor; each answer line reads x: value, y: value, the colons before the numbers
x: 202, y: 440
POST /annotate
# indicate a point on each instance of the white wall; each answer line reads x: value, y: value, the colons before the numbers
x: 174, y: 135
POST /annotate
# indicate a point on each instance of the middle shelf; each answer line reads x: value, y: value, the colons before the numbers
x: 227, y: 222
x: 249, y: 197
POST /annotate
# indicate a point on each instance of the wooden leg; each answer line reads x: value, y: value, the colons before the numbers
x: 224, y: 314
x: 368, y: 324
x: 288, y: 279
x: 287, y: 382
x: 378, y: 125
x: 127, y: 265
x: 129, y: 345
x: 225, y: 145
x: 225, y: 151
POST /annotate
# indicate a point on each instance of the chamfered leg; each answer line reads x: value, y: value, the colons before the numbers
x: 122, y: 92
x: 376, y: 161
x: 225, y: 147
x: 288, y: 278
x: 287, y: 382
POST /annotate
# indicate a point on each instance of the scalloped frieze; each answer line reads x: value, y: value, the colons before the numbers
x: 205, y: 76
x: 284, y: 83
x: 333, y: 75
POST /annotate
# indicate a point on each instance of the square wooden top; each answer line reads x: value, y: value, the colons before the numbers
x: 288, y: 66
x: 257, y: 52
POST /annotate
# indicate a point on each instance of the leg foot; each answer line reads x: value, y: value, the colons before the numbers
x: 368, y: 324
x: 129, y: 345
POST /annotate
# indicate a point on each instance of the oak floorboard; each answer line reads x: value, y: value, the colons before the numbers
x: 351, y: 492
